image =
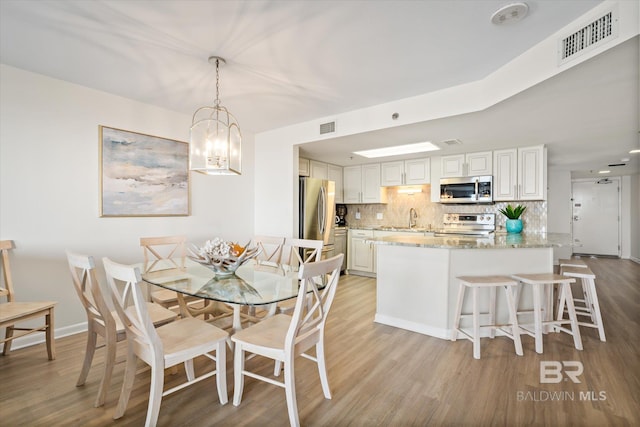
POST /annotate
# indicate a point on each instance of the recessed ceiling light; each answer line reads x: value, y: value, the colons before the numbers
x: 634, y: 151
x: 604, y: 171
x: 397, y: 150
x: 625, y: 159
x: 510, y: 13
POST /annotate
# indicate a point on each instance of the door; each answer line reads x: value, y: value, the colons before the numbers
x: 596, y: 213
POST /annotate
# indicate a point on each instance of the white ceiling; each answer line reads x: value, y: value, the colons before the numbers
x: 293, y: 61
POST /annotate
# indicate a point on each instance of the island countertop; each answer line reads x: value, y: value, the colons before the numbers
x: 493, y: 241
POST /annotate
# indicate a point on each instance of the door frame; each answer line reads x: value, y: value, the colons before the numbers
x: 616, y: 180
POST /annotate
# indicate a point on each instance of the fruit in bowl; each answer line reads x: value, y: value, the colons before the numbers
x: 221, y: 256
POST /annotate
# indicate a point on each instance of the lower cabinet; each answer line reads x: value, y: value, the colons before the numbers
x: 360, y: 254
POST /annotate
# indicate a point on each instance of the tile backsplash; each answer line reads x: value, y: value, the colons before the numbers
x: 396, y: 211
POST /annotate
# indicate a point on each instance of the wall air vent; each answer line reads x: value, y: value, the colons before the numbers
x: 589, y: 37
x: 327, y: 128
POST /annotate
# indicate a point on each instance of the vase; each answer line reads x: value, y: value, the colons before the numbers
x: 514, y: 225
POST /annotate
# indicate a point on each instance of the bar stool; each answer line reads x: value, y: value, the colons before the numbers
x: 573, y: 262
x: 543, y: 283
x: 591, y: 307
x: 491, y: 282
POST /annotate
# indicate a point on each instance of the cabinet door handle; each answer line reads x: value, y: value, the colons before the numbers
x: 515, y: 191
x: 519, y: 191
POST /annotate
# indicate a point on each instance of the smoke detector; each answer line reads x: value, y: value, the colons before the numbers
x: 510, y: 13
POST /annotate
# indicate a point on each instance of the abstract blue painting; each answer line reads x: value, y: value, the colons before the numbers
x: 143, y: 175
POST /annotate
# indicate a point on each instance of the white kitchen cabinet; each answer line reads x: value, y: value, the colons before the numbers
x: 407, y: 172
x: 520, y: 174
x: 360, y: 255
x: 318, y: 169
x: 362, y: 184
x: 303, y: 167
x: 334, y: 173
x: 470, y: 164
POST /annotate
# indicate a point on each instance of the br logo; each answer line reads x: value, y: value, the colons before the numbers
x: 553, y: 372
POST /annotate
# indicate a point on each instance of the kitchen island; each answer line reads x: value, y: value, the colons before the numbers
x: 416, y: 285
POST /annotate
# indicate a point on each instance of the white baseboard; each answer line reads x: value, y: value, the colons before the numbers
x: 421, y: 328
x: 634, y: 259
x: 34, y: 339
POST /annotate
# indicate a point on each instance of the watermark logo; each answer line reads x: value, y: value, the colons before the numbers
x: 553, y: 372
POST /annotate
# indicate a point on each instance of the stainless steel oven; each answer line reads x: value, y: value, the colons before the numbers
x: 471, y: 189
x: 470, y: 225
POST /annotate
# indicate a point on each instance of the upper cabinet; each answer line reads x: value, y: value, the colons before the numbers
x: 362, y: 184
x: 520, y: 174
x: 470, y: 164
x: 334, y: 173
x: 318, y: 170
x: 303, y: 167
x: 407, y: 172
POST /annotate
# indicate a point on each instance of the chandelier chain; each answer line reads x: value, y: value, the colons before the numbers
x: 217, y: 101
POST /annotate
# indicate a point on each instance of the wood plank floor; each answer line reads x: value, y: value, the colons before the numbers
x: 379, y: 376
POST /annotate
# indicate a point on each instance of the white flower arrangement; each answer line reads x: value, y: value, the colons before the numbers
x: 221, y: 256
x: 215, y: 249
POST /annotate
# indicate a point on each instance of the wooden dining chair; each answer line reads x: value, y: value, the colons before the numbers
x: 271, y: 249
x: 283, y: 337
x: 101, y: 321
x: 161, y: 253
x: 298, y: 251
x: 177, y: 342
x: 13, y: 312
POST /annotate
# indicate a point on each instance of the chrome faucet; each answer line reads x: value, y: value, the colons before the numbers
x: 412, y: 217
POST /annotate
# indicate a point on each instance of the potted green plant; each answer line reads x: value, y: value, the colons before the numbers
x: 513, y: 223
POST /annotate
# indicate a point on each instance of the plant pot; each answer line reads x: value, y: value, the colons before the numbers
x: 514, y: 225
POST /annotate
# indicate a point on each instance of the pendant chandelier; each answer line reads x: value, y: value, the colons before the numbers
x: 215, y: 142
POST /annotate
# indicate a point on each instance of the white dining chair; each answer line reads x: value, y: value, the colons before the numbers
x: 283, y: 337
x: 163, y: 347
x: 101, y: 321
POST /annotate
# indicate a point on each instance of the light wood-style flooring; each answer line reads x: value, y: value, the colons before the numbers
x: 379, y: 376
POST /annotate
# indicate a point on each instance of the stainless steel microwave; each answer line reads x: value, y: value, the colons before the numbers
x: 468, y: 189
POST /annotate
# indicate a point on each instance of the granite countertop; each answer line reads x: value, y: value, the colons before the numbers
x: 392, y: 228
x: 493, y: 241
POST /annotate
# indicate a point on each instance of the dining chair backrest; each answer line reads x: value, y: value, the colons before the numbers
x: 313, y: 305
x: 85, y: 282
x: 132, y: 309
x: 299, y: 251
x: 162, y: 252
x: 6, y: 286
x: 270, y: 249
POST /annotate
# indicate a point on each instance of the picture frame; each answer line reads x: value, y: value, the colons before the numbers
x: 143, y: 175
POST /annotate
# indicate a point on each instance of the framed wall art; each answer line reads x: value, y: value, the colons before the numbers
x: 143, y: 175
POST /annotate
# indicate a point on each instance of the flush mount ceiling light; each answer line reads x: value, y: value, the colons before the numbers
x: 510, y: 13
x: 397, y: 150
x: 215, y: 142
x: 604, y: 171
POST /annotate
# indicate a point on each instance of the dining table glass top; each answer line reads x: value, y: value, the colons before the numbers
x: 252, y: 284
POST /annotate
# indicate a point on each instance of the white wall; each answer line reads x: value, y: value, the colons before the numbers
x: 559, y: 208
x: 49, y: 185
x: 634, y: 184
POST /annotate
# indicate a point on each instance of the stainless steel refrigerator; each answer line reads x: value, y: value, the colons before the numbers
x: 317, y: 212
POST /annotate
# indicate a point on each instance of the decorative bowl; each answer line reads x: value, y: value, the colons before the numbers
x: 222, y: 257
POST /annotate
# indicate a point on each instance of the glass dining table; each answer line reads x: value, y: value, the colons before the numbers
x: 254, y: 285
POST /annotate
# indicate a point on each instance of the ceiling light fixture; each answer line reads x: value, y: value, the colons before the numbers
x: 398, y: 150
x: 215, y: 142
x: 604, y: 171
x: 510, y: 13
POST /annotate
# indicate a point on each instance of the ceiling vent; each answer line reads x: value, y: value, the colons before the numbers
x: 589, y: 37
x: 326, y: 128
x: 452, y: 142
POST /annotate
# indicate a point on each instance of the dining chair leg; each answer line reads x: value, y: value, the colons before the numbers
x: 51, y: 343
x: 127, y: 383
x: 90, y: 349
x: 277, y: 367
x: 238, y: 374
x: 290, y: 391
x: 109, y: 363
x: 221, y: 372
x: 7, y: 344
x: 188, y: 367
x: 155, y: 392
x: 322, y: 368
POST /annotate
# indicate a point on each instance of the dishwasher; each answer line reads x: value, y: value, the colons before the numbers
x: 341, y: 245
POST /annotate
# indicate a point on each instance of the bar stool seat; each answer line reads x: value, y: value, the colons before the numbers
x: 590, y: 306
x: 492, y: 283
x: 543, y: 283
x: 573, y: 262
